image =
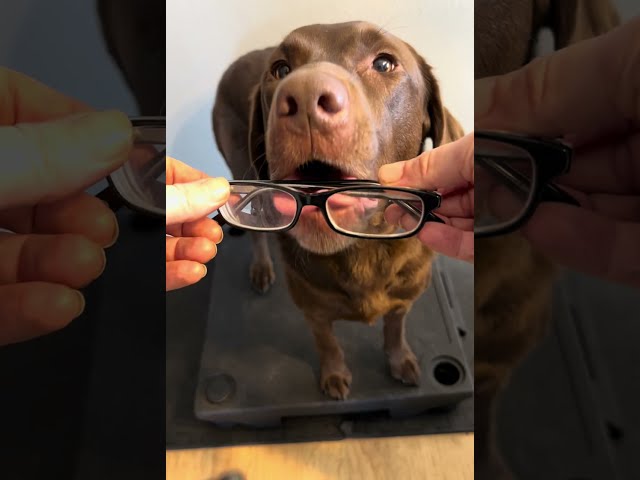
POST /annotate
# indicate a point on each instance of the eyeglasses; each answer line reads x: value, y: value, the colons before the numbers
x: 512, y: 176
x: 140, y: 183
x: 355, y: 208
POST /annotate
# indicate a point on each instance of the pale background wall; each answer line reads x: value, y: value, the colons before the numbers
x: 204, y: 37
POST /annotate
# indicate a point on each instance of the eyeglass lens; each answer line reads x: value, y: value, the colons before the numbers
x: 374, y: 212
x: 141, y: 180
x: 261, y: 208
x: 365, y: 212
x: 504, y: 183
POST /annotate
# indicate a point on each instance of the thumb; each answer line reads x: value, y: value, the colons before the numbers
x: 48, y: 160
x: 447, y: 167
x: 191, y: 201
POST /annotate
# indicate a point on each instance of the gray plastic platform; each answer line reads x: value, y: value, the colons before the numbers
x: 259, y: 363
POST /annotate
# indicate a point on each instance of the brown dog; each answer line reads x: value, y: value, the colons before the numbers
x: 335, y: 101
x: 513, y: 281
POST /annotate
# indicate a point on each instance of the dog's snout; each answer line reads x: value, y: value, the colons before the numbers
x: 321, y: 98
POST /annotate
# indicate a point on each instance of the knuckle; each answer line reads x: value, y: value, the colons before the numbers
x: 536, y: 81
x: 36, y: 157
x: 426, y: 162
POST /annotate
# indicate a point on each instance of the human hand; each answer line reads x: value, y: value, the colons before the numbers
x: 52, y: 148
x: 587, y: 93
x: 449, y: 170
x: 191, y: 236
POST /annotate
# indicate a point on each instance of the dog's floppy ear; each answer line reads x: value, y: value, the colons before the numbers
x: 257, y: 148
x: 439, y: 124
x: 571, y: 21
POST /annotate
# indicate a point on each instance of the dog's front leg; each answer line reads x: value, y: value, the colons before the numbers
x: 335, y: 376
x: 402, y: 361
x: 262, y: 274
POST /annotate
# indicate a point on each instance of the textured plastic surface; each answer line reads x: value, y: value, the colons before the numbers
x: 259, y: 363
x: 588, y: 425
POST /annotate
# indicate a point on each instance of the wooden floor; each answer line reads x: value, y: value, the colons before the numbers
x: 430, y: 457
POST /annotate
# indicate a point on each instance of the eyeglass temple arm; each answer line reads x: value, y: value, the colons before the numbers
x: 550, y: 192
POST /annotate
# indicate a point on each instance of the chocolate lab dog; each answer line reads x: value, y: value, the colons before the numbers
x: 512, y: 280
x: 330, y: 102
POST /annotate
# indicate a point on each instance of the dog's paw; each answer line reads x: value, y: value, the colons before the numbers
x: 404, y: 367
x: 336, y: 383
x: 262, y: 276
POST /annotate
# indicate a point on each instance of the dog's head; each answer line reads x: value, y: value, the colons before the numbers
x: 337, y: 102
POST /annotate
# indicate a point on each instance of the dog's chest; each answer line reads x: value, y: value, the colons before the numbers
x: 361, y: 284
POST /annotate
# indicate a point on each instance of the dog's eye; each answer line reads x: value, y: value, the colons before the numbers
x: 280, y: 70
x: 383, y: 64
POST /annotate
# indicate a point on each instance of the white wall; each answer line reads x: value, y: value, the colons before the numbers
x: 204, y: 37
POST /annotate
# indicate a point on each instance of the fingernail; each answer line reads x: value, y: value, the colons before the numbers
x: 110, y: 133
x: 204, y: 271
x: 391, y: 173
x: 104, y: 263
x: 483, y: 96
x: 116, y: 233
x: 80, y: 303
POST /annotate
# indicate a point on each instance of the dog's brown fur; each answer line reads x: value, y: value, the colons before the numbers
x: 513, y: 281
x: 330, y: 276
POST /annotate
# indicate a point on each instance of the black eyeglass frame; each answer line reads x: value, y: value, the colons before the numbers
x: 551, y: 158
x: 430, y: 200
x: 110, y: 193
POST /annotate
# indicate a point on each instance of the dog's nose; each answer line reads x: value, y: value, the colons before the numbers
x: 321, y: 98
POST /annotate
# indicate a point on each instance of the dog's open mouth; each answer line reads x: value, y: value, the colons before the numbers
x: 318, y: 171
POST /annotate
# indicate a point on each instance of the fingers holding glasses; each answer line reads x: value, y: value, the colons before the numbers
x: 191, y: 201
x: 78, y: 151
x: 192, y: 194
x: 446, y: 168
x: 192, y: 237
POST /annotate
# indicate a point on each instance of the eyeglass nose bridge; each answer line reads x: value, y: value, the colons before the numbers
x: 314, y: 199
